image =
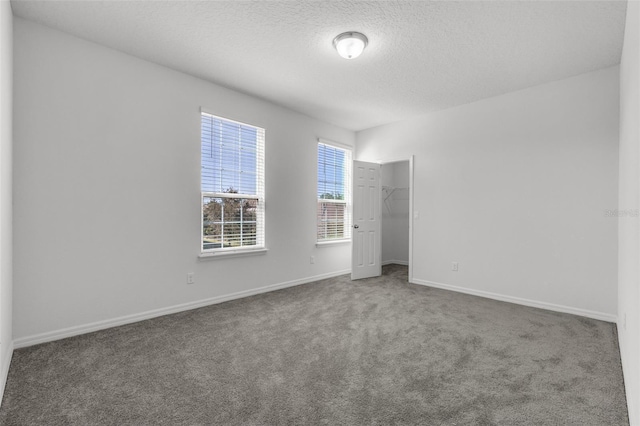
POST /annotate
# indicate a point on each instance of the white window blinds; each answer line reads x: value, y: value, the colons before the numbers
x: 232, y: 184
x: 334, y: 193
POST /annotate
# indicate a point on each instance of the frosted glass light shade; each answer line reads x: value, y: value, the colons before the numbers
x: 350, y: 45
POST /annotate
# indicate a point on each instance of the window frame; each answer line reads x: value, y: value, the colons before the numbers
x: 259, y: 196
x: 348, y: 196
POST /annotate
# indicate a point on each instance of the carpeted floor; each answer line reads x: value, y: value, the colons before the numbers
x: 371, y: 352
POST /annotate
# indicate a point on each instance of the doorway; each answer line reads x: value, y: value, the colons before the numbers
x: 396, y: 218
x: 372, y: 246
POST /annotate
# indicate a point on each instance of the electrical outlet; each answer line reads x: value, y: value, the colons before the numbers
x: 312, y: 259
x: 454, y: 266
x: 191, y: 278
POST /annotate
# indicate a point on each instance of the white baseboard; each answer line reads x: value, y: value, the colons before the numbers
x: 128, y: 319
x: 397, y: 262
x: 4, y: 369
x: 520, y: 301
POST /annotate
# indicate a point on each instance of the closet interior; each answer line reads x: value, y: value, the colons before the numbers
x: 395, y: 212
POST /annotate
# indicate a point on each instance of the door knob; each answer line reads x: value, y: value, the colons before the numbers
x: 356, y: 226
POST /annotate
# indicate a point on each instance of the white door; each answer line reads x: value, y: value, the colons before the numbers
x: 366, y: 259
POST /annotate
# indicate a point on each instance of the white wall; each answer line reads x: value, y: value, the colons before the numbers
x: 395, y: 212
x: 515, y: 189
x: 628, y: 229
x: 6, y: 142
x: 107, y: 200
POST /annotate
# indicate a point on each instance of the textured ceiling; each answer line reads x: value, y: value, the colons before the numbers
x: 422, y: 55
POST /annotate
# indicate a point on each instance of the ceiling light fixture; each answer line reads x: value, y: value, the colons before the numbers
x: 350, y: 44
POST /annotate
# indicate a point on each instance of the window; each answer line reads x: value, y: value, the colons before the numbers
x: 334, y: 193
x: 232, y: 185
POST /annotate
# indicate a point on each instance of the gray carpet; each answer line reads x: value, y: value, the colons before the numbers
x: 371, y: 352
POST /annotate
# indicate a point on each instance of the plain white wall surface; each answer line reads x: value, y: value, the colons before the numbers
x: 395, y: 212
x: 629, y: 202
x: 107, y: 196
x: 6, y: 143
x: 515, y: 189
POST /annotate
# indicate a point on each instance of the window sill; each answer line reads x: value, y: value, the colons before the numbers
x: 333, y: 243
x: 231, y: 253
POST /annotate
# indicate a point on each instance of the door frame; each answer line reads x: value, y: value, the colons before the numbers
x: 411, y: 212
